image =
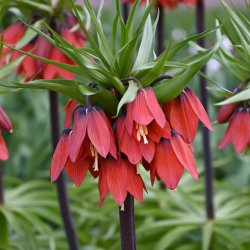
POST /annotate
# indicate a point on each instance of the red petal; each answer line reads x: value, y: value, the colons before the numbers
x: 60, y: 155
x: 4, y: 154
x: 130, y: 147
x: 135, y: 183
x: 14, y: 33
x: 119, y: 129
x: 154, y: 107
x: 103, y: 183
x: 98, y: 131
x: 141, y: 113
x: 184, y: 155
x: 226, y: 111
x: 166, y: 107
x: 5, y: 123
x: 156, y: 132
x: 117, y: 177
x: 69, y: 107
x: 198, y: 108
x: 239, y: 133
x: 227, y: 138
x: 78, y: 134
x: 43, y: 48
x: 129, y: 122
x: 168, y: 166
x: 182, y: 118
x: 147, y: 150
x: 77, y: 170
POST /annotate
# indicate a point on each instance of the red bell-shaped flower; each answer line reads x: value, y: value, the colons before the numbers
x: 120, y: 178
x: 183, y: 113
x: 172, y: 156
x: 143, y: 111
x: 91, y: 131
x: 238, y: 131
x: 5, y: 123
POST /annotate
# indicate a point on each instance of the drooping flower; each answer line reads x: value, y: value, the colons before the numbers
x: 238, y: 131
x: 183, y: 114
x: 76, y: 170
x: 5, y: 126
x: 142, y: 112
x: 172, y: 156
x: 91, y: 131
x: 31, y: 68
x: 119, y: 177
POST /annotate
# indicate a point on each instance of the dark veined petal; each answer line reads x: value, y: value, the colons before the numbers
x: 182, y: 118
x: 98, y: 131
x: 141, y: 112
x: 4, y: 154
x: 226, y: 112
x: 184, y: 154
x: 168, y: 166
x: 60, y: 155
x: 78, y: 134
x: 154, y: 107
x: 69, y: 107
x: 135, y: 182
x: 103, y: 182
x: 77, y: 170
x: 5, y: 123
x: 198, y: 108
x: 117, y: 177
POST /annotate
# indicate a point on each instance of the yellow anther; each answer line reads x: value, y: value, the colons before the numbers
x: 138, y: 168
x: 122, y: 207
x: 94, y: 154
x: 142, y: 131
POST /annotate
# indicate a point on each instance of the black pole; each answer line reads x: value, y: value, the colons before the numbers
x: 127, y: 215
x: 160, y: 31
x: 127, y: 225
x: 209, y: 173
x: 1, y: 187
x: 60, y: 183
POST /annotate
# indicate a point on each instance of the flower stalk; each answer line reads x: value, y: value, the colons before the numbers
x: 209, y: 173
x: 60, y: 183
x: 1, y: 187
x: 160, y: 31
x: 127, y: 225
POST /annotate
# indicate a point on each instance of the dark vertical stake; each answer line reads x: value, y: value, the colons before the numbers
x: 160, y: 31
x: 209, y: 174
x: 1, y: 187
x: 127, y: 217
x: 127, y: 225
x: 60, y: 183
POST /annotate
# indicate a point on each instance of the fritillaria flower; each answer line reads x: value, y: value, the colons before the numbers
x: 183, y: 114
x: 172, y: 156
x: 238, y: 131
x: 142, y: 112
x: 119, y: 177
x: 5, y: 126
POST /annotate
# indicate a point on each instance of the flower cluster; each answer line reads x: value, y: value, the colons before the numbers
x: 146, y: 134
x: 238, y: 130
x: 31, y: 68
x: 5, y: 126
x: 170, y: 4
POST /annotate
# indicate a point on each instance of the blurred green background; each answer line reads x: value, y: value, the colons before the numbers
x: 166, y: 220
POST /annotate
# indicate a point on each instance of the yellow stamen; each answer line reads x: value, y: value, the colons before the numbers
x: 94, y: 154
x: 138, y: 168
x: 122, y: 207
x: 142, y: 132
